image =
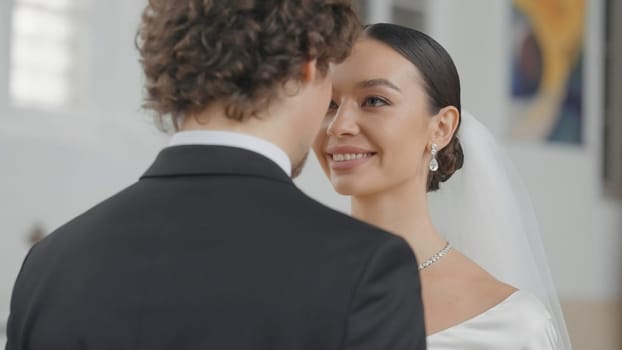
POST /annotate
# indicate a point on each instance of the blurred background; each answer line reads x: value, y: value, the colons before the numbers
x: 542, y: 75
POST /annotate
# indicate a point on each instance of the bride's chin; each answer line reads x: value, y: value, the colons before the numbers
x: 346, y: 188
x: 342, y: 190
x: 340, y: 187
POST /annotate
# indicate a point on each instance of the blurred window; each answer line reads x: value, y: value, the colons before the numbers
x: 48, y: 54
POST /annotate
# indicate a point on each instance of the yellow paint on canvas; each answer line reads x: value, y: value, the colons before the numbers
x: 558, y: 27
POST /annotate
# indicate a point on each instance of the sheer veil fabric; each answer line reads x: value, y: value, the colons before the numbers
x: 485, y: 211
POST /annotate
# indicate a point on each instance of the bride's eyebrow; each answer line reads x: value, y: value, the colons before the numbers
x: 377, y: 82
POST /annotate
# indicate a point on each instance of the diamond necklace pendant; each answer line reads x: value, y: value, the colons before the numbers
x: 436, y: 257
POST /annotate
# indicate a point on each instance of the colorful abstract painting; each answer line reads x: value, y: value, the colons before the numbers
x: 547, y: 70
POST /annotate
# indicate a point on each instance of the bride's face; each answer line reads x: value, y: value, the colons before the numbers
x: 376, y: 134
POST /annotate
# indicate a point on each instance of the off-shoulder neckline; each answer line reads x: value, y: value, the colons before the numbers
x: 480, y: 315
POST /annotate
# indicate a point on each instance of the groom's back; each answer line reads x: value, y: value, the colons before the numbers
x: 210, y: 258
x: 215, y: 248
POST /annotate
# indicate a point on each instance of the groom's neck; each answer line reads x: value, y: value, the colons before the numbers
x: 272, y: 128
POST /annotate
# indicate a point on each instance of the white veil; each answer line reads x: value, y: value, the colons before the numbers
x: 484, y: 210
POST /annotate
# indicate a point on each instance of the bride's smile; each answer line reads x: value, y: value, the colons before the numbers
x: 344, y: 158
x: 376, y: 132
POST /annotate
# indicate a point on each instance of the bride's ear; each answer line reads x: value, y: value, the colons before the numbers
x: 446, y: 122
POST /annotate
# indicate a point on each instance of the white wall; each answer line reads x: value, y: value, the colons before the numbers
x: 55, y: 166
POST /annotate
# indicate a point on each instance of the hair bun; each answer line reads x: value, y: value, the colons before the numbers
x: 450, y: 159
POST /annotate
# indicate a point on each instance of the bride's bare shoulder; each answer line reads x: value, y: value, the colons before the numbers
x: 457, y: 290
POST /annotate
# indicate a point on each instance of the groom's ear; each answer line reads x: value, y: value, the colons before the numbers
x: 446, y: 123
x: 308, y: 71
x: 308, y: 74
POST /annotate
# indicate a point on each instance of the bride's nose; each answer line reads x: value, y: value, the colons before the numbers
x: 343, y: 123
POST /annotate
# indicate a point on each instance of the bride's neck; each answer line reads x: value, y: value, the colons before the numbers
x: 402, y: 210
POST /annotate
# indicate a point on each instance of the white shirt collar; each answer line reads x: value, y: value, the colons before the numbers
x: 234, y: 139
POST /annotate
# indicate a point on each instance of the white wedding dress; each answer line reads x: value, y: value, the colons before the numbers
x: 520, y: 322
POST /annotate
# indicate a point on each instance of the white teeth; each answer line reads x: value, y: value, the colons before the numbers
x: 341, y: 157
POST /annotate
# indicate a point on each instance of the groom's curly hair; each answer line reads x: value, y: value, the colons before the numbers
x: 195, y: 52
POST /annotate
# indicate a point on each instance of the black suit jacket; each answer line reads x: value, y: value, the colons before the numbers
x: 215, y: 248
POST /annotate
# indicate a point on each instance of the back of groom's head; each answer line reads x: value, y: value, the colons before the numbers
x: 236, y: 52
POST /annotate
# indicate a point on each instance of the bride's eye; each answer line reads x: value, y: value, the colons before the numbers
x: 332, y: 107
x: 375, y: 101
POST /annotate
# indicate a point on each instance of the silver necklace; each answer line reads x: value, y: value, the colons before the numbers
x: 436, y: 257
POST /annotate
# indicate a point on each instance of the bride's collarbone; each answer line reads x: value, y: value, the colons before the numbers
x: 457, y: 291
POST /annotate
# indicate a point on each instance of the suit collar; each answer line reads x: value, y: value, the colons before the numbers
x: 234, y: 139
x: 193, y: 160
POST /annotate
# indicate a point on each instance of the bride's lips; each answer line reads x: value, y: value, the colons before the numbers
x: 342, y: 158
